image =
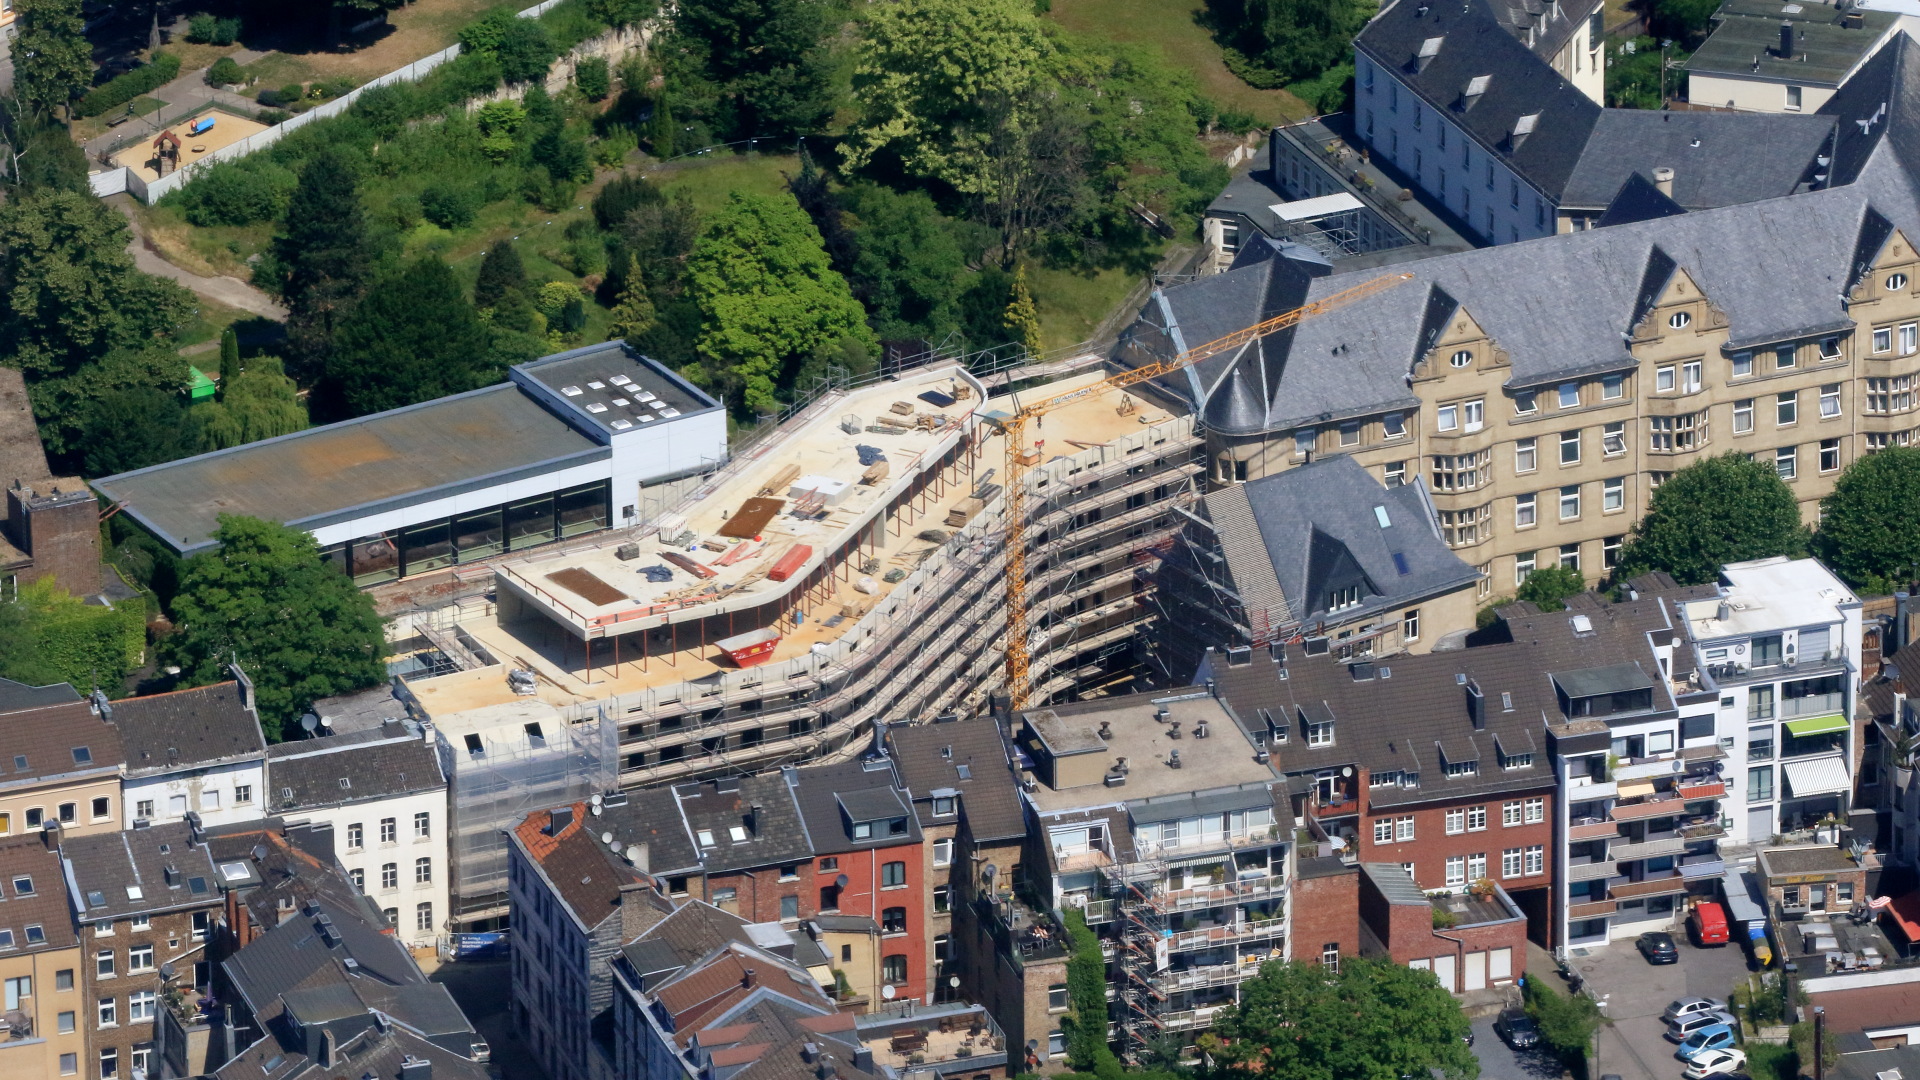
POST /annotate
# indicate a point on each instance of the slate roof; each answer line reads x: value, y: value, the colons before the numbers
x: 279, y: 869
x: 1320, y: 527
x: 774, y: 832
x: 298, y: 953
x: 735, y: 975
x: 691, y: 931
x: 930, y: 759
x: 1557, y: 306
x: 1476, y: 42
x: 338, y: 770
x: 823, y: 790
x: 187, y: 729
x: 56, y: 742
x: 18, y: 695
x: 585, y: 874
x: 114, y: 875
x: 1745, y: 42
x: 1543, y: 25
x: 45, y: 907
x: 377, y: 1052
x: 1879, y: 105
x: 771, y: 1036
x: 1718, y: 159
x: 1638, y: 200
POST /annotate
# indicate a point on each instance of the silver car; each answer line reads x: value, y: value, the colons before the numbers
x: 1690, y: 1005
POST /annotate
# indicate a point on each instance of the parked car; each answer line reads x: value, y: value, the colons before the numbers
x: 1714, y: 1037
x: 1715, y: 1063
x: 1658, y: 948
x: 1687, y: 1006
x: 1682, y: 1029
x: 1517, y: 1029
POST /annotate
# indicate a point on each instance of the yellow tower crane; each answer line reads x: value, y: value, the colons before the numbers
x: 1018, y: 459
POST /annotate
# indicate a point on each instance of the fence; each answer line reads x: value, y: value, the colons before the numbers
x: 122, y: 179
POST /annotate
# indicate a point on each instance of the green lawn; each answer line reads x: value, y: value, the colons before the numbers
x: 709, y: 178
x: 1171, y: 27
x: 1072, y: 304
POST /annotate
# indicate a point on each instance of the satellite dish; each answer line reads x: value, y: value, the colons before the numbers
x: 954, y: 981
x: 633, y: 853
x: 1346, y: 770
x: 166, y: 970
x: 606, y: 838
x: 841, y: 881
x: 310, y: 722
x: 887, y: 992
x: 596, y: 799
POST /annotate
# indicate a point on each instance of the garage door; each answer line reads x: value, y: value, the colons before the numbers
x: 1500, y: 965
x: 1443, y: 969
x: 1476, y: 971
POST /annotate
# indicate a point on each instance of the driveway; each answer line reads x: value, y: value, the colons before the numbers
x: 1498, y: 1061
x: 1634, y: 993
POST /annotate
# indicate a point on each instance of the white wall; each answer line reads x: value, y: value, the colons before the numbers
x: 1751, y: 95
x: 212, y: 793
x: 1444, y: 162
x: 372, y: 855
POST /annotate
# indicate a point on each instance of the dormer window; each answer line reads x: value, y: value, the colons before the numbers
x: 1320, y: 734
x: 1340, y: 599
x: 1477, y: 86
x: 1463, y: 768
x: 863, y: 830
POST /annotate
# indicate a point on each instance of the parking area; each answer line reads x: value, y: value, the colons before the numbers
x: 1498, y: 1061
x: 1635, y: 993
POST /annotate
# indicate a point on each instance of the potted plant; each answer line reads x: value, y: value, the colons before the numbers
x: 1482, y: 889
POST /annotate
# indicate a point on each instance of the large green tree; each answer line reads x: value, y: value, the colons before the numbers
x: 1550, y: 586
x: 48, y: 636
x: 327, y: 256
x: 259, y: 402
x: 1291, y: 39
x: 75, y: 424
x: 761, y: 62
x: 1870, y: 525
x: 1721, y: 510
x: 136, y: 427
x: 907, y: 265
x: 1371, y: 1020
x: 300, y: 629
x: 52, y: 62
x: 937, y: 80
x: 767, y: 296
x: 414, y: 338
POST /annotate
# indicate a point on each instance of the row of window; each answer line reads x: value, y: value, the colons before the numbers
x: 68, y: 813
x: 139, y: 1061
x: 1568, y: 555
x: 390, y: 831
x: 210, y: 799
x: 472, y: 536
x: 1514, y: 862
x: 390, y: 875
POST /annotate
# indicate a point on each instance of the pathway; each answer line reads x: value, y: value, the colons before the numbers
x: 227, y: 290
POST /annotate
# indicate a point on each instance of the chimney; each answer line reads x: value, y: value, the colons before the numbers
x: 1106, y: 730
x: 1900, y: 624
x: 1819, y: 1043
x: 879, y: 737
x: 558, y: 819
x: 1476, y: 706
x: 324, y: 1058
x: 1663, y: 179
x: 1173, y: 759
x: 1786, y: 39
x: 749, y: 978
x: 246, y: 686
x: 636, y: 914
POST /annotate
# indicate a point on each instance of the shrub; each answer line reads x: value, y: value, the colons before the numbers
x: 623, y: 195
x: 1236, y: 121
x: 292, y: 92
x: 201, y: 28
x: 527, y: 51
x: 123, y: 88
x: 238, y: 193
x: 225, y: 72
x: 449, y: 206
x: 226, y: 31
x: 270, y: 98
x: 339, y: 87
x: 594, y: 78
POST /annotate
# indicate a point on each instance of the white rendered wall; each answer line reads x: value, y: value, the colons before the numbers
x: 372, y: 855
x: 212, y: 793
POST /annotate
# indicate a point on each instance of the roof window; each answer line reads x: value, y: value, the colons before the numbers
x: 82, y: 756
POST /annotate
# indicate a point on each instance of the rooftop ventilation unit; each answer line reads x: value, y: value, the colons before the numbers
x: 572, y: 391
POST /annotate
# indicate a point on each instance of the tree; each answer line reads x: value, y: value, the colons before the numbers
x: 325, y: 249
x: 1292, y: 39
x: 633, y: 314
x: 48, y: 635
x: 594, y: 78
x: 136, y: 427
x: 770, y: 74
x: 766, y: 294
x: 1022, y: 318
x: 414, y: 338
x: 1372, y: 1019
x: 229, y: 360
x: 1549, y: 587
x: 936, y: 79
x: 259, y: 403
x: 71, y: 421
x: 1721, y: 510
x: 52, y: 62
x: 501, y: 275
x: 299, y: 628
x: 1087, y: 1049
x: 40, y: 153
x: 1870, y: 526
x: 1567, y: 1022
x: 907, y: 266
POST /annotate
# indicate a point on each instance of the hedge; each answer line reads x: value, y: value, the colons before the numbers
x: 88, y: 644
x: 124, y: 87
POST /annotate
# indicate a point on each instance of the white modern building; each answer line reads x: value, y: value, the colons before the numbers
x: 196, y: 751
x: 384, y: 793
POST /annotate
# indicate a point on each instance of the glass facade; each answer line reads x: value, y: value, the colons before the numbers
x: 470, y: 537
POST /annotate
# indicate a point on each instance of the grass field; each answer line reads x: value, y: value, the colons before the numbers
x: 1072, y: 304
x: 1172, y: 27
x: 710, y: 178
x: 419, y: 29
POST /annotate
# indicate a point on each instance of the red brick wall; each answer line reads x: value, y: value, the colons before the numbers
x: 1431, y: 846
x: 1408, y: 934
x: 1326, y: 910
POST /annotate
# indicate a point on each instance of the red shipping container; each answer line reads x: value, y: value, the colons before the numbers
x: 790, y: 562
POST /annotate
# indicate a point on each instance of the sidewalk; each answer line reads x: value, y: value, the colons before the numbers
x: 229, y: 291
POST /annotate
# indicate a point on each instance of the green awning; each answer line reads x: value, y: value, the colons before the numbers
x: 1818, y: 725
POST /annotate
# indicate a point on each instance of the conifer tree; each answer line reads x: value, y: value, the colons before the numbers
x: 1022, y: 317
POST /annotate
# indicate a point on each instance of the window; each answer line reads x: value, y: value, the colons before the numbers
x: 1890, y: 395
x: 942, y: 897
x: 1536, y: 859
x: 1536, y: 810
x: 1786, y: 462
x: 1908, y: 334
x: 392, y: 915
x: 1787, y: 409
x: 1383, y: 831
x: 356, y: 837
x: 829, y: 863
x: 1569, y: 395
x: 359, y: 877
x: 140, y: 957
x: 1393, y: 425
x: 943, y: 851
x: 1525, y: 403
x: 893, y: 969
x: 1829, y: 401
x: 63, y: 980
x: 1510, y: 863
x: 1460, y: 472
x: 1303, y: 442
x: 1570, y: 502
x: 1526, y: 456
x: 1456, y: 822
x: 1829, y: 455
x: 1477, y: 865
x: 1320, y: 734
x: 943, y: 806
x: 140, y: 1006
x: 1456, y: 871
x: 66, y: 1022
x: 1394, y: 474
x: 102, y: 808
x: 242, y: 794
x: 1613, y: 387
x: 1057, y: 997
x: 1883, y: 339
x: 1403, y: 827
x: 1613, y: 494
x: 1410, y: 625
x: 70, y: 812
x: 1663, y: 379
x: 422, y: 825
x: 1476, y: 818
x: 1523, y: 564
x: 389, y: 830
x: 1523, y: 511
x: 1447, y: 418
x: 1760, y: 784
x: 176, y: 805
x: 423, y: 871
x: 1570, y: 448
x: 1509, y: 814
x: 1613, y: 438
x: 142, y: 1055
x: 1896, y: 282
x: 1610, y: 551
x: 109, y: 1013
x: 1461, y: 358
x: 1783, y: 357
x: 1679, y: 320
x: 1793, y: 99
x: 1690, y: 377
x: 1570, y: 556
x: 1676, y: 434
x: 210, y: 799
x: 893, y: 920
x: 1742, y: 365
x: 1743, y: 416
x: 862, y: 830
x: 69, y: 1064
x: 893, y: 875
x: 103, y: 964
x: 109, y: 1063
x: 423, y: 916
x: 1343, y: 597
x: 1330, y: 956
x: 1473, y: 415
x: 390, y: 876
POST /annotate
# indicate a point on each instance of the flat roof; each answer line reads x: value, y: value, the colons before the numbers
x: 611, y: 388
x: 1769, y: 594
x: 1222, y: 761
x: 1307, y: 209
x: 1745, y: 43
x: 1612, y: 679
x: 1812, y: 859
x: 328, y: 474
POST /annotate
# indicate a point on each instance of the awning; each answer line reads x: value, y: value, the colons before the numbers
x: 1905, y: 913
x: 1818, y: 725
x: 1821, y: 776
x: 1633, y: 788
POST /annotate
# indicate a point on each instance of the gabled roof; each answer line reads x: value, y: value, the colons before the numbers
x: 586, y: 875
x: 823, y: 791
x: 761, y: 807
x: 18, y: 695
x: 1879, y: 106
x: 379, y: 1052
x: 381, y: 763
x: 314, y: 947
x: 1745, y: 42
x: 1717, y: 158
x: 967, y: 758
x: 1543, y: 25
x: 188, y: 729
x: 117, y: 874
x: 1638, y: 200
x: 775, y: 1038
x: 56, y: 742
x: 44, y: 909
x: 690, y: 931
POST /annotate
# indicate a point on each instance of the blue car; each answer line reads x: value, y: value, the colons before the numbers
x: 1717, y: 1037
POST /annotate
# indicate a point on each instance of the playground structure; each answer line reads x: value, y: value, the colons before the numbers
x: 185, y: 142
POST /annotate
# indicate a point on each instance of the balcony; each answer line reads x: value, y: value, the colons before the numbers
x: 1691, y: 789
x: 1201, y: 978
x: 1225, y: 894
x: 1192, y: 1018
x: 1670, y: 883
x: 1592, y: 909
x: 1698, y: 867
x: 1644, y: 768
x: 1177, y: 846
x: 1237, y: 933
x: 1704, y: 830
x: 1593, y: 871
x: 1653, y: 846
x: 1592, y: 829
x: 1098, y: 911
x: 1585, y: 789
x: 1709, y: 752
x: 1651, y: 806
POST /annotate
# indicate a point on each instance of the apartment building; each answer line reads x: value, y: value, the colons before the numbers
x: 146, y: 901
x: 42, y: 1015
x: 1764, y: 57
x: 1164, y: 821
x: 59, y: 764
x: 1436, y: 765
x: 1541, y: 438
x: 749, y: 847
x: 384, y: 797
x: 198, y: 752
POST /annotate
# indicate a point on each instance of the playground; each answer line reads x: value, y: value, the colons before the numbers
x: 185, y: 143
